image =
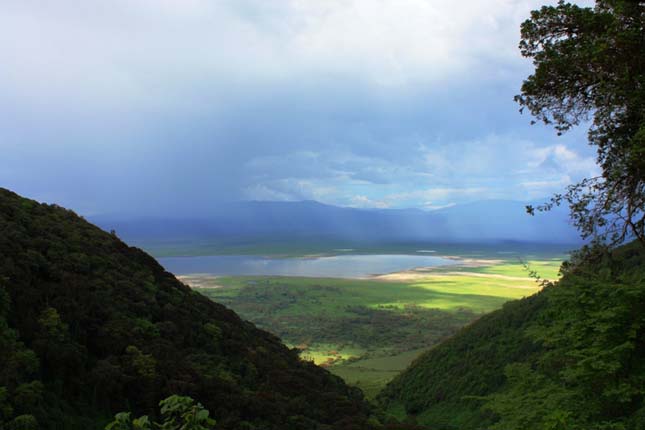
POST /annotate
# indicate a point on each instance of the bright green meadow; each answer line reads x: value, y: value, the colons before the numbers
x: 368, y: 330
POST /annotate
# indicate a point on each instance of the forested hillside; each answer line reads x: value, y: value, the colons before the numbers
x: 570, y: 357
x: 90, y: 327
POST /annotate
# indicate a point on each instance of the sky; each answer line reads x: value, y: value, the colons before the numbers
x: 170, y: 107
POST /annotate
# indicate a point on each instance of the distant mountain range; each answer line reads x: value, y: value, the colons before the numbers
x: 263, y: 221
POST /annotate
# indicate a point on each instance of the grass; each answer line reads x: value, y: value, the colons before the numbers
x: 369, y: 330
x: 546, y: 268
x: 334, y: 296
x: 371, y: 374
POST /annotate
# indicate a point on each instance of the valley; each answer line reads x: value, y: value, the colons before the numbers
x: 367, y: 330
x: 91, y: 326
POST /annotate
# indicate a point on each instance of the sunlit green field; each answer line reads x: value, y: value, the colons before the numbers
x: 547, y: 268
x: 368, y: 330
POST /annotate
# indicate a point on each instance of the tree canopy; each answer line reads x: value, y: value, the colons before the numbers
x: 569, y: 357
x: 90, y: 326
x: 179, y: 413
x: 590, y: 66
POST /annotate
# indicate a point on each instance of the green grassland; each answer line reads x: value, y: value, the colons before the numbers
x: 277, y: 247
x: 369, y: 330
x: 546, y: 268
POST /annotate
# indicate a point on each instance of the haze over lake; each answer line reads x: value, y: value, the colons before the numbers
x: 340, y: 266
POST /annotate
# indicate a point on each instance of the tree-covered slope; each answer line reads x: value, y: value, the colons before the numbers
x: 571, y: 357
x: 90, y: 326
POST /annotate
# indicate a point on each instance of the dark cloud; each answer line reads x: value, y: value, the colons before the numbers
x: 170, y: 107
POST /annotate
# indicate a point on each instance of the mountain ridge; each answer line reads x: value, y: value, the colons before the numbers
x: 484, y: 221
x: 90, y: 326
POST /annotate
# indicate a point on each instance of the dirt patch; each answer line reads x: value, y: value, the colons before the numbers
x: 425, y: 272
x: 471, y: 262
x: 200, y: 281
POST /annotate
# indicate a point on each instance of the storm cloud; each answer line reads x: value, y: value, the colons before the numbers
x: 171, y: 106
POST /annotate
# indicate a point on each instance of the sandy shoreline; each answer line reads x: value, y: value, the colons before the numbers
x: 209, y: 281
x: 200, y: 280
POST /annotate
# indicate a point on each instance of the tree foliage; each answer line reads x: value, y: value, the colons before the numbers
x: 590, y: 65
x: 178, y: 413
x: 90, y: 326
x: 590, y: 375
x: 569, y: 357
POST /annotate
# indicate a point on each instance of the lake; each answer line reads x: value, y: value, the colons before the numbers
x: 340, y: 266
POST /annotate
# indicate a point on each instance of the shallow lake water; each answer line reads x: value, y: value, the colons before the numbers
x: 340, y: 266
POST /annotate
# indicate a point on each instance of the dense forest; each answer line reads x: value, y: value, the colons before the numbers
x: 90, y: 326
x: 569, y: 357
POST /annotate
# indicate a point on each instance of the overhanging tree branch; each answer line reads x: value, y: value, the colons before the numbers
x: 590, y: 63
